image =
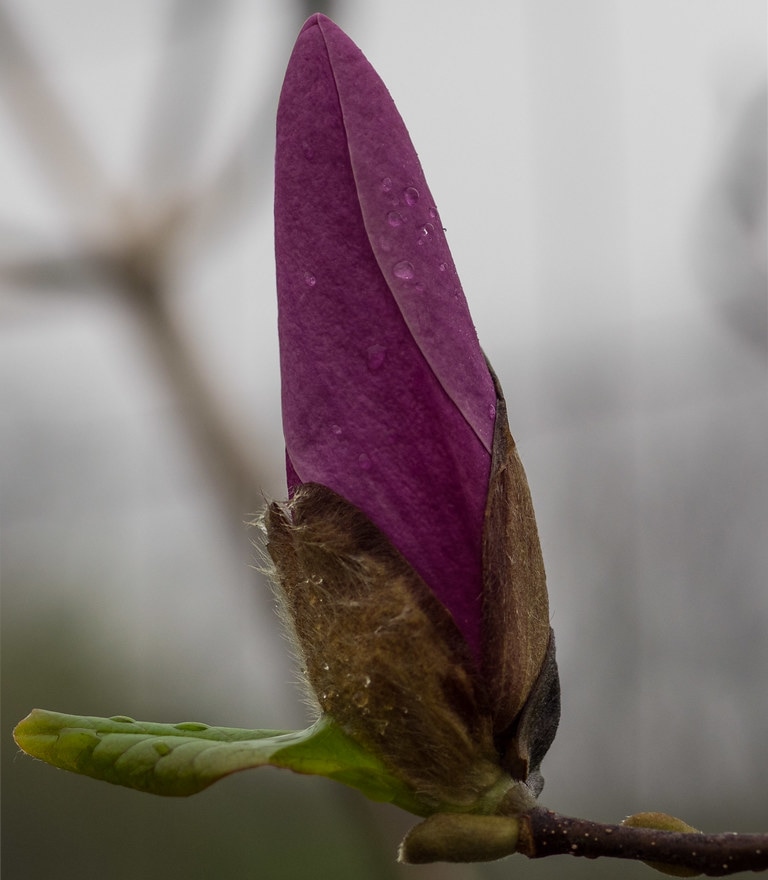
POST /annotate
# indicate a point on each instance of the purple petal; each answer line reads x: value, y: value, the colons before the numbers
x: 386, y: 396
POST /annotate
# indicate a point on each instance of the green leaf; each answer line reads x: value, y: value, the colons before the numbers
x: 182, y: 759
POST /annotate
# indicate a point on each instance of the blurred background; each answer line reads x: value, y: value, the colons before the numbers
x: 601, y: 169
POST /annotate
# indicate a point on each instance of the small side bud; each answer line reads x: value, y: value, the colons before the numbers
x: 664, y: 822
x: 458, y: 837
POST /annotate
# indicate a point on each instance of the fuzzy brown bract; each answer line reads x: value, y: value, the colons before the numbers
x: 382, y: 655
x: 384, y: 658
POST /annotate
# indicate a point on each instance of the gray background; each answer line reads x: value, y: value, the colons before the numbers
x: 600, y: 167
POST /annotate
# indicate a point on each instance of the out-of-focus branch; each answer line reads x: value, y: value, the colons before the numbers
x: 52, y: 138
x: 138, y: 272
x: 133, y: 253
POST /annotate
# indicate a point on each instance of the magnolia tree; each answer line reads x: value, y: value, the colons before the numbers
x: 406, y: 560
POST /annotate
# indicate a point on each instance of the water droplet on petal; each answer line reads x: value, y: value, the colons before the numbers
x: 410, y: 195
x: 364, y: 461
x: 376, y: 356
x: 386, y: 184
x: 420, y: 287
x: 433, y: 212
x: 309, y: 279
x: 492, y: 411
x: 404, y: 270
x: 337, y: 429
x: 443, y: 267
x: 394, y: 219
x: 425, y: 233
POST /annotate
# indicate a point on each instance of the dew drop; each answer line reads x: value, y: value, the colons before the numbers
x: 162, y: 748
x: 386, y: 184
x: 123, y: 719
x: 376, y: 355
x: 433, y: 212
x: 404, y: 270
x: 492, y: 411
x: 337, y: 430
x: 420, y: 287
x: 425, y: 233
x: 443, y: 267
x: 394, y: 219
x: 364, y: 461
x: 309, y: 279
x: 410, y: 195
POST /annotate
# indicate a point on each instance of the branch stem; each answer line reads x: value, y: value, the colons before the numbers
x: 544, y: 833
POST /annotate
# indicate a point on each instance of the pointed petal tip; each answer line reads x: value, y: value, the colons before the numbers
x: 316, y: 19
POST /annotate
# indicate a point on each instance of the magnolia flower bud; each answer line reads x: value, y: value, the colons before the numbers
x: 407, y: 559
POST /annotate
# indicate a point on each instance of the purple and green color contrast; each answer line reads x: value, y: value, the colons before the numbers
x: 406, y: 559
x: 388, y: 400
